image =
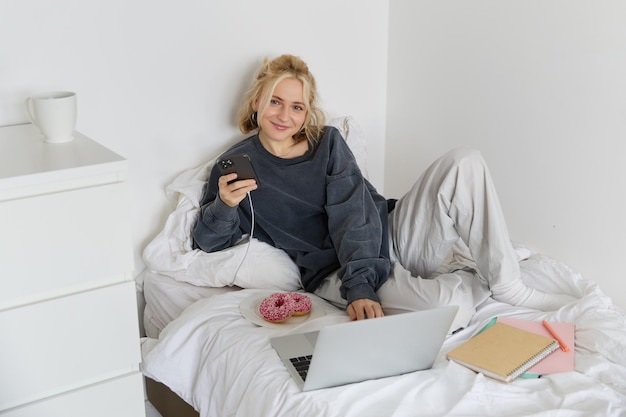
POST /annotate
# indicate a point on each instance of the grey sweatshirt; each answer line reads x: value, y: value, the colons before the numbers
x: 318, y: 208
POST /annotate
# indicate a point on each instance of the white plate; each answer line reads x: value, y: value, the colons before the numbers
x: 249, y: 308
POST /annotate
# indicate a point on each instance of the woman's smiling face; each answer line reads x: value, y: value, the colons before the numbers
x: 285, y: 114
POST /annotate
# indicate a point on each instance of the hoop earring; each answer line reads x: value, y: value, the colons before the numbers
x: 253, y: 117
x: 300, y: 134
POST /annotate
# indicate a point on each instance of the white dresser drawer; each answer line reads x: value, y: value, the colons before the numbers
x: 58, y: 345
x: 119, y: 397
x: 63, y: 242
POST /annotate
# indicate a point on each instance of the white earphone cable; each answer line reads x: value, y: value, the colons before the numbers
x: 249, y: 239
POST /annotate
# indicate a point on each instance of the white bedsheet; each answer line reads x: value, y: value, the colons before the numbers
x: 224, y: 365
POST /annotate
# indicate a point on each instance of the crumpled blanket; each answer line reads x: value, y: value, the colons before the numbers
x: 224, y: 365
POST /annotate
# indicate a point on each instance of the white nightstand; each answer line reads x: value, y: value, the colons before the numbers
x: 69, y: 336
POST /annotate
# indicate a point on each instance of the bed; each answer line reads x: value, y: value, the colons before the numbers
x: 205, y: 353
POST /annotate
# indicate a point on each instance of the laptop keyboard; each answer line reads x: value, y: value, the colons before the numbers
x: 301, y: 363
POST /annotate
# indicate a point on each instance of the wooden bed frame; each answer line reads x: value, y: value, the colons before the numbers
x: 167, y: 402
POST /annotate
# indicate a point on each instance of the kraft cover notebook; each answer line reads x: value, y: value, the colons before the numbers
x: 559, y: 361
x: 503, y: 352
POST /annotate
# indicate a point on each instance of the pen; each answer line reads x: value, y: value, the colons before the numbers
x: 488, y: 325
x: 554, y: 334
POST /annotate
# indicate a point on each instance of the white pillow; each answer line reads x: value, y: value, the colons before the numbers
x: 250, y: 264
x: 253, y: 265
x: 353, y: 135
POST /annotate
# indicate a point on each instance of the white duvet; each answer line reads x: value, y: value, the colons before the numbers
x: 223, y: 365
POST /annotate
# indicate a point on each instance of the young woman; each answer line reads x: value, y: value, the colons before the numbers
x: 352, y: 246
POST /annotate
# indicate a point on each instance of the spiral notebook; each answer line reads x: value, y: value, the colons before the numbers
x: 559, y: 361
x: 503, y: 352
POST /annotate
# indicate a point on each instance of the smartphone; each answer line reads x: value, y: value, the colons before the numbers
x: 240, y: 164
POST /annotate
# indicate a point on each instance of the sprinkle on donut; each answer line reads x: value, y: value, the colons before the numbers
x: 279, y: 306
x: 302, y: 304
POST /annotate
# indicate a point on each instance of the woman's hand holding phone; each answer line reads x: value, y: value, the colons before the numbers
x: 233, y: 191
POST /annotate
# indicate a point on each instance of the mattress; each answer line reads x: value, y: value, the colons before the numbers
x: 166, y: 298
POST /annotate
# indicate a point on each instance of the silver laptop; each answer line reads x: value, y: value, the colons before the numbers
x: 366, y: 349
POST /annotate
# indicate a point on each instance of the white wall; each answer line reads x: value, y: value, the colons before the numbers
x: 537, y: 86
x: 540, y: 88
x: 159, y: 82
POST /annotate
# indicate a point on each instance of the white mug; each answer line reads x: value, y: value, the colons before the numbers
x: 54, y: 114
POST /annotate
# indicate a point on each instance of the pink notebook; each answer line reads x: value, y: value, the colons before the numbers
x: 558, y: 361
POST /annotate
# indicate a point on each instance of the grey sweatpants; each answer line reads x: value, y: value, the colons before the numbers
x: 452, y: 212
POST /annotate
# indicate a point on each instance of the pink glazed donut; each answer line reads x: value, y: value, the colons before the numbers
x: 302, y: 304
x: 277, y: 307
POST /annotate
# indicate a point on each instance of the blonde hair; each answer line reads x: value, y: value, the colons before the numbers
x: 265, y: 81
